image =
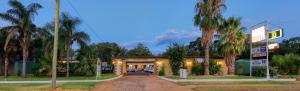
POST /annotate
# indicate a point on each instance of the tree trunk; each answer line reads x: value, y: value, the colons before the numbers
x: 231, y: 67
x: 6, y: 67
x: 24, y: 63
x: 25, y: 53
x: 206, y: 61
x: 68, y: 61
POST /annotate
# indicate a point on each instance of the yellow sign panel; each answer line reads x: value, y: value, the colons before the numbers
x: 276, y: 34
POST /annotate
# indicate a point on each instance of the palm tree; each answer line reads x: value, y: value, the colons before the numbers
x: 3, y: 34
x: 20, y: 18
x: 232, y: 41
x: 71, y: 34
x: 207, y: 17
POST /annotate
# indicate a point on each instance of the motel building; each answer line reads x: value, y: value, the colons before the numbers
x: 153, y: 64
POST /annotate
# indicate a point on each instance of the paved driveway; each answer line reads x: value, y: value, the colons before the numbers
x: 139, y: 83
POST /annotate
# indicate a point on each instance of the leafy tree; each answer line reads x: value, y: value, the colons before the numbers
x: 207, y: 17
x: 20, y: 17
x: 139, y: 50
x: 42, y: 49
x: 232, y: 41
x: 87, y: 57
x: 288, y: 64
x: 291, y: 45
x: 195, y: 48
x: 106, y: 50
x: 176, y: 53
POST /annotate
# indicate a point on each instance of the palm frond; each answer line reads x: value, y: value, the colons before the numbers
x: 9, y: 18
x: 17, y: 5
x: 32, y: 8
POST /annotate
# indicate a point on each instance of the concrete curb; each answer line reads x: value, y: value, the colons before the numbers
x: 63, y: 81
x: 221, y: 80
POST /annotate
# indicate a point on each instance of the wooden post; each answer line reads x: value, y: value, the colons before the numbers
x: 54, y: 59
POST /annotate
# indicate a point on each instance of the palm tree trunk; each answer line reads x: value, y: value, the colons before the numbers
x: 231, y: 67
x: 206, y: 61
x: 68, y: 61
x: 25, y: 53
x: 24, y: 63
x: 6, y: 67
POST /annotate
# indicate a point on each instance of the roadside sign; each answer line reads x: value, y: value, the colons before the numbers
x: 259, y: 62
x: 258, y: 34
x: 276, y: 34
x: 273, y: 46
x: 259, y: 49
x: 259, y: 55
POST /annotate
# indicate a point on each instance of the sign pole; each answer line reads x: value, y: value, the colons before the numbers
x: 251, y: 54
x: 267, y: 48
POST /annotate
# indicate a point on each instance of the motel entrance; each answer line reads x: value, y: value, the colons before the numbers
x: 128, y: 65
x: 139, y: 68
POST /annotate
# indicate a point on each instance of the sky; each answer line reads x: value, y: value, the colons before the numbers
x: 158, y: 23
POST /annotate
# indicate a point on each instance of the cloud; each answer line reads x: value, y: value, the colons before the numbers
x: 172, y: 36
x: 160, y: 42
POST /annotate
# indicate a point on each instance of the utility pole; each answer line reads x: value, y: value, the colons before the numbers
x: 54, y: 59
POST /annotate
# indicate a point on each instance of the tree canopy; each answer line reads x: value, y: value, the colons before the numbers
x: 139, y: 50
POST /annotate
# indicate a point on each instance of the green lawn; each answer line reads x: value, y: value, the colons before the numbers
x: 85, y: 86
x: 216, y: 77
x: 33, y: 78
x: 47, y: 87
x: 244, y: 86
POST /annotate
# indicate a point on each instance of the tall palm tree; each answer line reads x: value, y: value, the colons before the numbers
x: 232, y: 41
x: 71, y: 34
x: 20, y: 17
x: 207, y: 17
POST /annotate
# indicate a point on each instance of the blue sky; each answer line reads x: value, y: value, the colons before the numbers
x: 157, y: 23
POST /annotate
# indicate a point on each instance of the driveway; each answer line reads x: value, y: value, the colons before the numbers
x: 139, y: 83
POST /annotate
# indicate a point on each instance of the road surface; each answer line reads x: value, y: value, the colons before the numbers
x: 139, y: 83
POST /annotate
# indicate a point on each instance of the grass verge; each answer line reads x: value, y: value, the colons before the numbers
x: 45, y: 87
x: 244, y: 86
x: 34, y: 78
x: 216, y: 77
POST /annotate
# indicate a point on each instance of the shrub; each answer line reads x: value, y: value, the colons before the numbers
x: 198, y: 68
x: 162, y: 71
x: 176, y: 53
x: 288, y: 64
x: 261, y: 72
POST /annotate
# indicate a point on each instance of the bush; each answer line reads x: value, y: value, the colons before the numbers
x: 162, y: 71
x: 198, y: 68
x: 288, y: 64
x: 261, y: 72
